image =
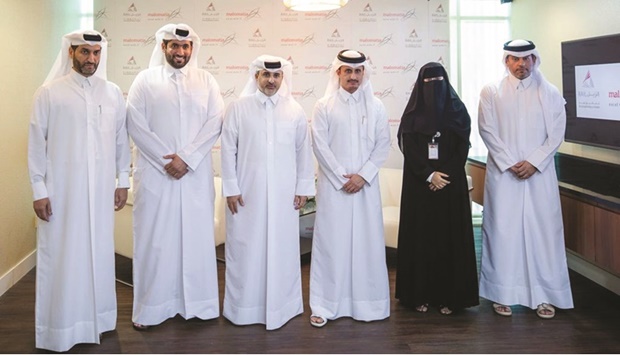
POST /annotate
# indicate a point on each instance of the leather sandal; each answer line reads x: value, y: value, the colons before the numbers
x: 545, y: 311
x: 318, y: 324
x: 502, y: 310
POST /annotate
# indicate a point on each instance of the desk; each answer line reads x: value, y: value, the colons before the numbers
x: 591, y: 218
x: 306, y: 226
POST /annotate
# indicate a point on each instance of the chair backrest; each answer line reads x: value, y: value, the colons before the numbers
x: 390, y: 184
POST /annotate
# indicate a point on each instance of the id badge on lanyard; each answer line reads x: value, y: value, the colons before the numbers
x: 433, y: 148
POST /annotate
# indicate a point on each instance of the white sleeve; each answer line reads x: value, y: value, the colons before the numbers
x: 152, y: 148
x: 37, y: 144
x: 555, y: 122
x: 229, y: 149
x: 123, y: 155
x: 382, y: 145
x: 320, y: 140
x: 305, y: 166
x: 193, y: 153
x: 489, y: 130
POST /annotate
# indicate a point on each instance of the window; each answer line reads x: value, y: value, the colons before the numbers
x: 478, y: 29
x: 86, y: 12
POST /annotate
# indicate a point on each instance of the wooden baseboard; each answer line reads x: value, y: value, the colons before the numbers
x: 17, y: 272
x: 593, y: 272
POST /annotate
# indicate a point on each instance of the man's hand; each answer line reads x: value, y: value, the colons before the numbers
x: 523, y: 170
x: 231, y: 201
x: 120, y: 198
x: 439, y: 181
x: 355, y: 183
x: 177, y: 167
x: 43, y: 209
x: 300, y: 201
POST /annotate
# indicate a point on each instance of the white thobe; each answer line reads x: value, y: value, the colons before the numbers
x: 175, y: 272
x: 348, y: 273
x: 523, y: 255
x: 267, y: 159
x: 77, y: 147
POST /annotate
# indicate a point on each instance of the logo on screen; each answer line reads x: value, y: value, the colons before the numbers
x: 132, y: 8
x: 587, y: 81
x: 367, y: 8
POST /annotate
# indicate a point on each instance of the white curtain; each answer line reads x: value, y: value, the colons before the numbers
x: 479, y: 28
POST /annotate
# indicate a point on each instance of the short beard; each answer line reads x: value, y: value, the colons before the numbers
x: 170, y: 60
x: 80, y: 68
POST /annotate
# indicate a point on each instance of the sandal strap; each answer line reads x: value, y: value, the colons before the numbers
x: 546, y: 307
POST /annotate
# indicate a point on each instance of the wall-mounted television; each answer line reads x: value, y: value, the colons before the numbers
x: 591, y: 87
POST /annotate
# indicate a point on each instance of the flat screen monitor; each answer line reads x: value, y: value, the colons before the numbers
x: 591, y: 87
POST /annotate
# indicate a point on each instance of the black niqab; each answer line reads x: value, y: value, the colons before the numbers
x: 434, y: 106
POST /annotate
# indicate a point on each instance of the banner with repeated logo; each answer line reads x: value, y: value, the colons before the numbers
x: 397, y: 36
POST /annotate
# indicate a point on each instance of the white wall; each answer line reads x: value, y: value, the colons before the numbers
x: 31, y: 31
x: 548, y: 23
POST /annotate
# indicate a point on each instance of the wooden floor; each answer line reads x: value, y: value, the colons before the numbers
x: 592, y: 327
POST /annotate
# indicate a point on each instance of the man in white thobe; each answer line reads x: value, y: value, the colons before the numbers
x: 522, y: 122
x: 77, y: 148
x: 267, y: 175
x: 174, y: 116
x: 351, y: 137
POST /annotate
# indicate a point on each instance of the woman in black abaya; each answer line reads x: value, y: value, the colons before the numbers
x: 436, y: 257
